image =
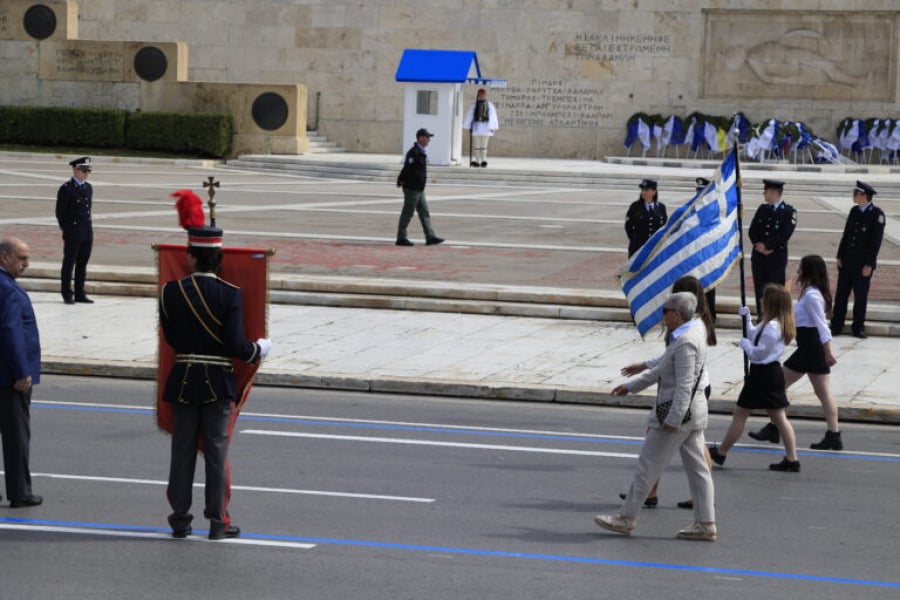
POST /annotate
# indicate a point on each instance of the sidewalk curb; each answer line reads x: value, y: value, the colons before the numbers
x: 436, y: 387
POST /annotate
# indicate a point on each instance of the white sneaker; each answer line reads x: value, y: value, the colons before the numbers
x: 699, y: 532
x: 616, y: 523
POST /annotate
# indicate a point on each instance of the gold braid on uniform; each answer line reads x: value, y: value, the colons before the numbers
x: 194, y: 309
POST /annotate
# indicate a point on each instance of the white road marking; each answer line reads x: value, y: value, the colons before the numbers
x: 153, y: 535
x: 414, y: 442
x: 247, y: 488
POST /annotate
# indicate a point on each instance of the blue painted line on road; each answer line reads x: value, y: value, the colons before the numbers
x: 589, y: 560
x: 776, y: 450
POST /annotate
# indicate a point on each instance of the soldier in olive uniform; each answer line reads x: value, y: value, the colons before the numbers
x: 644, y: 217
x: 856, y: 257
x: 73, y: 213
x: 771, y: 228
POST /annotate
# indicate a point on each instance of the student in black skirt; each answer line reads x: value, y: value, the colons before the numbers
x: 813, y: 356
x: 764, y: 386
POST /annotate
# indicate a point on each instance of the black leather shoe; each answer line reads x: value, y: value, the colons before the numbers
x: 69, y: 300
x: 831, y: 441
x: 25, y: 502
x: 404, y: 242
x: 769, y: 433
x: 473, y: 164
x: 717, y: 458
x: 484, y: 163
x: 688, y: 504
x: 434, y: 241
x: 84, y: 300
x: 180, y: 534
x: 650, y: 502
x: 860, y: 334
x: 789, y: 466
x: 218, y: 531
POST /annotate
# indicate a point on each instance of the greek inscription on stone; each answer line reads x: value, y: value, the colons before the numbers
x: 617, y: 47
x: 81, y: 63
x: 552, y: 103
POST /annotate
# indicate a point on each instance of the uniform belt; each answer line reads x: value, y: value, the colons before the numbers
x: 203, y: 359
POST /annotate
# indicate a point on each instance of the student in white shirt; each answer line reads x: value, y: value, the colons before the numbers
x: 764, y: 386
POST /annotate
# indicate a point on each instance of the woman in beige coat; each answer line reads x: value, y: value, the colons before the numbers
x: 680, y: 427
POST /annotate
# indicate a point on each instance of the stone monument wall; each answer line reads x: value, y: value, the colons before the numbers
x: 576, y: 69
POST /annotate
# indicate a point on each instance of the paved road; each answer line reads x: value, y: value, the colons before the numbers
x: 343, y: 495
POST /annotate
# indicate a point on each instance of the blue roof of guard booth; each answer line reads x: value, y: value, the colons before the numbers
x: 437, y: 66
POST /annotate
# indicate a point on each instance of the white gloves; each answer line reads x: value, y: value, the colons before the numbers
x: 265, y: 346
x: 744, y: 311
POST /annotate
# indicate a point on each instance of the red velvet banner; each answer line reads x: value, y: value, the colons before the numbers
x: 246, y: 268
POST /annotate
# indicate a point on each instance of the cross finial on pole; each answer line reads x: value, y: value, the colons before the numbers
x: 212, y: 185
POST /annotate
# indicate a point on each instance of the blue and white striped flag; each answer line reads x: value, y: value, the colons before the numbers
x: 701, y: 238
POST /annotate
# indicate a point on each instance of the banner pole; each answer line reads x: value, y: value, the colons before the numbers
x: 740, y: 212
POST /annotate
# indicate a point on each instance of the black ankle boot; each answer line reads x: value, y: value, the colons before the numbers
x: 769, y: 433
x: 831, y: 441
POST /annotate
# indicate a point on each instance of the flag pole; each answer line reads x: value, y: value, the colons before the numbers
x: 740, y: 211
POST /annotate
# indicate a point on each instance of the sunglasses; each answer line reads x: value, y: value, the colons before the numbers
x: 666, y: 309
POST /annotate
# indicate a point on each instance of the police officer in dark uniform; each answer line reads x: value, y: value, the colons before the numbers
x: 771, y: 228
x: 645, y: 215
x: 202, y: 321
x: 412, y: 179
x: 856, y: 258
x: 73, y: 213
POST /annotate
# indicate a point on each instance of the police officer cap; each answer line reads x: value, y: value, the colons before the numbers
x: 81, y: 163
x: 647, y: 184
x: 771, y: 184
x: 865, y: 188
x: 422, y: 132
x: 702, y: 182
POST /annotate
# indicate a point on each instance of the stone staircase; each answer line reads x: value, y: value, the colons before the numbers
x: 426, y: 296
x: 320, y: 144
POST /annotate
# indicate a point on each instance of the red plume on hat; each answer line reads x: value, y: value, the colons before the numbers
x: 190, y: 209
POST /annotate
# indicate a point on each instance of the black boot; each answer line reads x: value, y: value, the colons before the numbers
x: 769, y: 433
x: 831, y: 441
x: 714, y: 454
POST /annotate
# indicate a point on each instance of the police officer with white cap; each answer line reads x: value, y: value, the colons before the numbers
x: 856, y: 258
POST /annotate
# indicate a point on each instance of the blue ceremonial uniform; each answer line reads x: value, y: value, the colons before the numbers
x: 641, y: 223
x: 858, y: 248
x: 20, y: 357
x: 202, y: 321
x: 73, y: 213
x: 773, y: 225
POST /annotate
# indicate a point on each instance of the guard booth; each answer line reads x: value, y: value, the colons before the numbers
x: 433, y: 98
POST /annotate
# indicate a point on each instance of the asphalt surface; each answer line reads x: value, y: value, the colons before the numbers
x: 349, y: 495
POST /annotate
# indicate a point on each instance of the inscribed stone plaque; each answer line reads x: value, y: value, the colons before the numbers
x: 819, y: 55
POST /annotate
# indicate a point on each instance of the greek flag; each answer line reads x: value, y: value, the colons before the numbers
x: 701, y: 238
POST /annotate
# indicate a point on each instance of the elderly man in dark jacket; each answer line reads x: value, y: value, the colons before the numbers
x: 20, y: 371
